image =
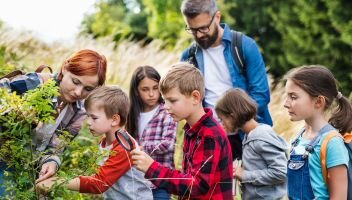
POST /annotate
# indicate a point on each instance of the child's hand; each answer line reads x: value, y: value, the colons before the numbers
x: 141, y: 160
x: 238, y: 172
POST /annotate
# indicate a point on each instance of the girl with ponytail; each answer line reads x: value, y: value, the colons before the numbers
x: 311, y: 92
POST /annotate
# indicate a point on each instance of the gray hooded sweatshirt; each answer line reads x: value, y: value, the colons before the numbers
x: 264, y: 162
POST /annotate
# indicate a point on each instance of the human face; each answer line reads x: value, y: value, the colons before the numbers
x: 299, y: 104
x: 148, y: 91
x: 98, y: 123
x: 204, y: 28
x: 226, y: 123
x: 74, y: 88
x: 178, y: 105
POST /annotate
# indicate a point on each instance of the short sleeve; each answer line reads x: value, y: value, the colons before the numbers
x: 337, y: 153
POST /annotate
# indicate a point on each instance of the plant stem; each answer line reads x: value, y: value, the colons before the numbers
x: 32, y: 163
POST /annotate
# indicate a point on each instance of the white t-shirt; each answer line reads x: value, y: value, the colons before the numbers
x: 217, y: 77
x: 103, y: 148
x: 144, y: 118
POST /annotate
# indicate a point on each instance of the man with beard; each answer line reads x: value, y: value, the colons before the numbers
x: 214, y: 56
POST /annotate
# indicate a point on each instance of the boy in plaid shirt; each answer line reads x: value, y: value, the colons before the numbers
x: 207, y: 161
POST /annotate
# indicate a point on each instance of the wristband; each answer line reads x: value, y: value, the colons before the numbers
x: 52, y: 160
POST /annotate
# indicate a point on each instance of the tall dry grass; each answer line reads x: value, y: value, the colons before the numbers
x: 122, y: 60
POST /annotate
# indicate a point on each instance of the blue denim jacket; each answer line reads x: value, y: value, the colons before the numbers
x: 254, y: 81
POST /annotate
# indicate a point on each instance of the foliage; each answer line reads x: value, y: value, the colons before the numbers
x: 19, y: 115
x: 164, y: 20
x: 112, y: 18
x: 79, y: 159
x: 141, y: 20
x: 5, y: 59
x: 289, y: 33
x: 294, y: 33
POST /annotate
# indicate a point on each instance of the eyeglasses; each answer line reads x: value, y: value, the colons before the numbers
x: 203, y: 29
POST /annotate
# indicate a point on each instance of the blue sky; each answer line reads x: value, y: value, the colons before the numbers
x: 49, y: 19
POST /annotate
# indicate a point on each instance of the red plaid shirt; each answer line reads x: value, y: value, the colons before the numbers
x: 207, y: 164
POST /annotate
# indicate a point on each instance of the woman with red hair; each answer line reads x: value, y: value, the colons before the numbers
x: 80, y: 74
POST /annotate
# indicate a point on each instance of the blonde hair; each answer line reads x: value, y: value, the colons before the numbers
x: 112, y: 99
x: 185, y: 77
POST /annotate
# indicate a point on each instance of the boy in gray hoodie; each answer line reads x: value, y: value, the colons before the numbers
x: 264, y: 159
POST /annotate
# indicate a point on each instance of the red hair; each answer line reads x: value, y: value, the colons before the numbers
x: 86, y: 63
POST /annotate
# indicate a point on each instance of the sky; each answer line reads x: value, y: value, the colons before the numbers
x: 50, y: 20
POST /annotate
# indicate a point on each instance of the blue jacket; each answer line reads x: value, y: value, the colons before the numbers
x: 254, y: 81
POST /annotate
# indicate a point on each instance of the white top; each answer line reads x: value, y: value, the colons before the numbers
x: 217, y: 77
x: 102, y: 149
x: 144, y: 118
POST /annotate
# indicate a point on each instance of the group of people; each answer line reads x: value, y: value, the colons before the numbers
x: 225, y: 107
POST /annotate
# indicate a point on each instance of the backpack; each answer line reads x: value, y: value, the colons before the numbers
x: 348, y: 143
x: 17, y: 74
x: 13, y: 74
x: 237, y: 53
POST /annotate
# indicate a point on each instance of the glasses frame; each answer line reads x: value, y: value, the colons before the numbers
x: 205, y: 28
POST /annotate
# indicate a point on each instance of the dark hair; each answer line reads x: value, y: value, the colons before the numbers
x: 237, y: 105
x: 192, y: 8
x: 136, y: 102
x: 112, y: 99
x: 317, y: 81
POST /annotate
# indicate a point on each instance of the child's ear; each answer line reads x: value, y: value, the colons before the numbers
x: 116, y: 120
x: 320, y: 102
x: 197, y: 97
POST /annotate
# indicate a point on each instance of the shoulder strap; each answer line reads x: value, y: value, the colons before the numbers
x: 12, y: 74
x: 20, y: 72
x: 237, y: 50
x: 324, y: 144
x: 295, y: 141
x: 192, y: 54
x: 42, y: 67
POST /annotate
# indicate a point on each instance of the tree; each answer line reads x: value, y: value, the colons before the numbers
x: 113, y: 18
x: 298, y: 32
x: 136, y: 19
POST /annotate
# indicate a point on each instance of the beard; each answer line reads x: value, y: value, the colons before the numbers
x: 207, y: 40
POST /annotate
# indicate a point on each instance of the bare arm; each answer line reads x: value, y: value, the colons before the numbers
x: 337, y: 182
x: 46, y: 185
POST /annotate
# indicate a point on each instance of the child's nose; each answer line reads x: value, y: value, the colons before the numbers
x: 287, y: 103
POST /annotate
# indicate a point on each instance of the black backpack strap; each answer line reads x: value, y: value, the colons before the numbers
x: 237, y: 50
x: 192, y: 54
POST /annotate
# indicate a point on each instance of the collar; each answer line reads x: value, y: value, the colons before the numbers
x: 227, y: 35
x: 199, y: 124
